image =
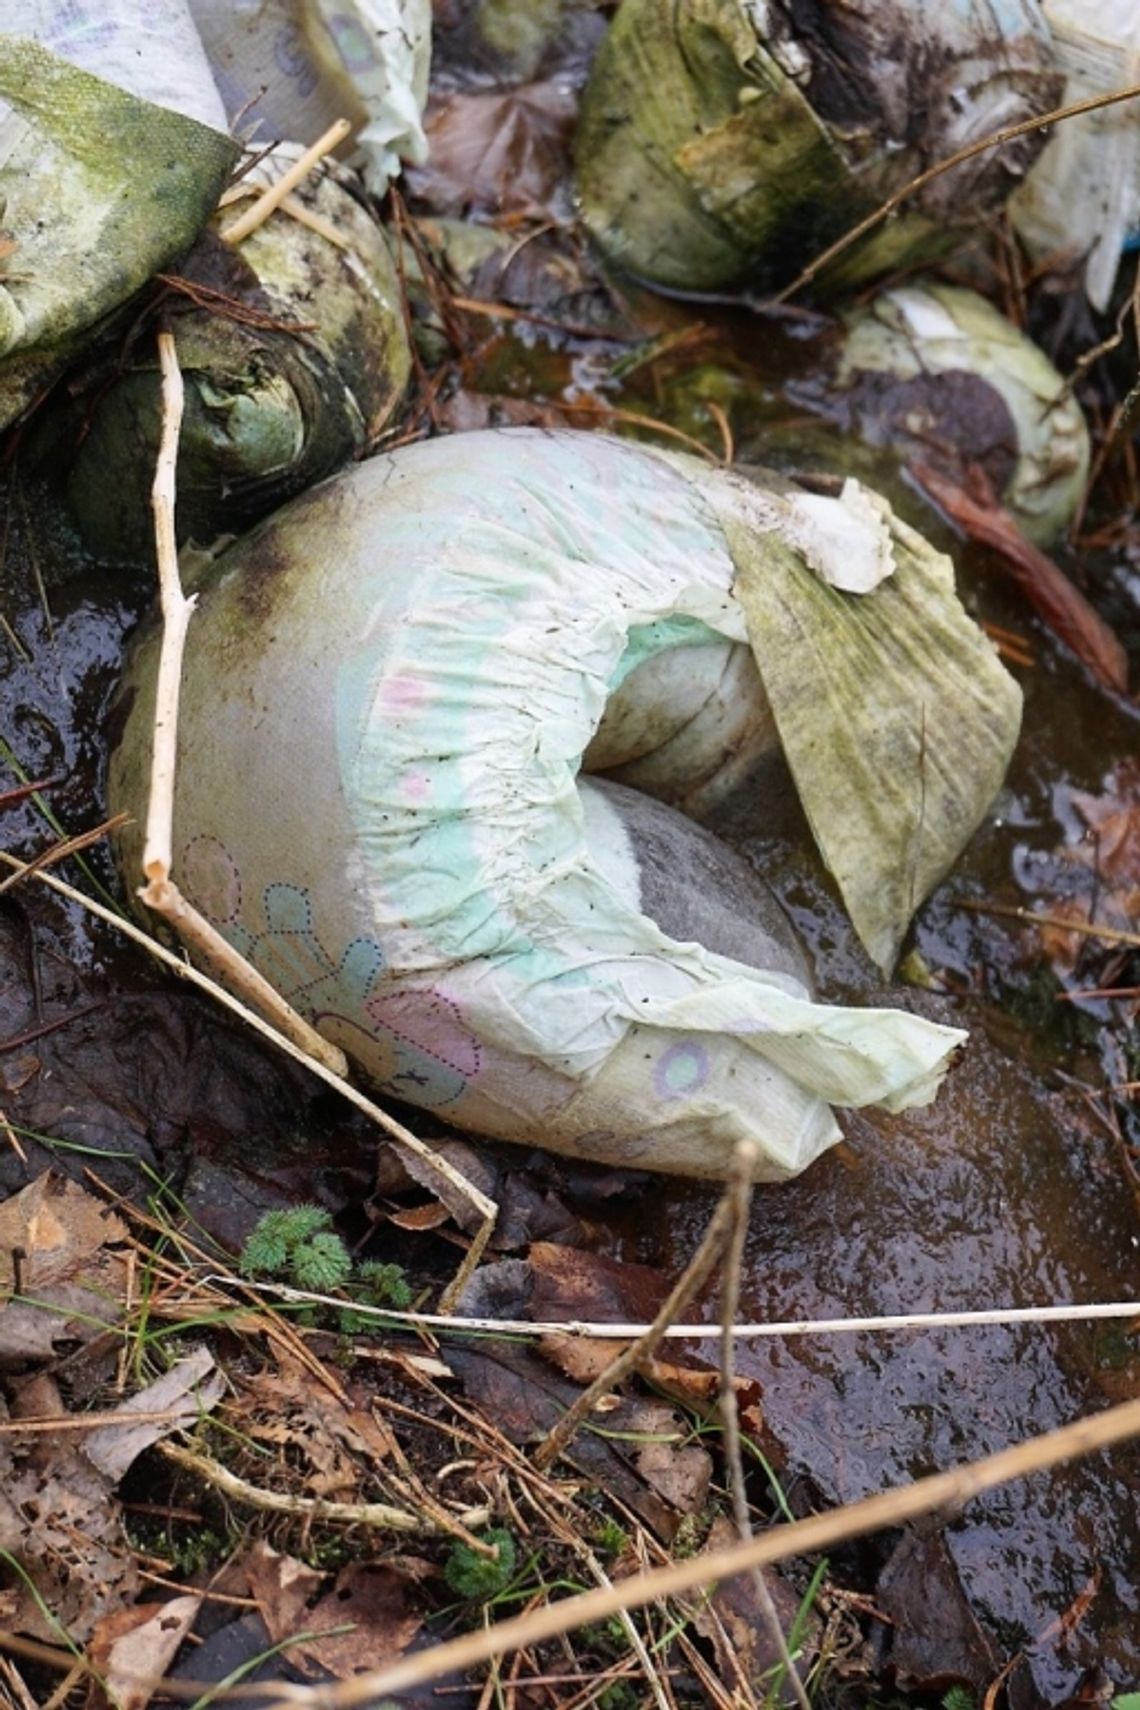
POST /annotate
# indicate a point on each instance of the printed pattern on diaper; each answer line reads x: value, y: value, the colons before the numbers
x: 412, y: 1041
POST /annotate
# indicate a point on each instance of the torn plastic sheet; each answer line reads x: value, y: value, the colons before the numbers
x: 388, y: 693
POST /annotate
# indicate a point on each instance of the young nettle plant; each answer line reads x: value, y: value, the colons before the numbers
x: 300, y: 1246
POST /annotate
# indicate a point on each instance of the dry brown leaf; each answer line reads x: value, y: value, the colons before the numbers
x: 189, y: 1389
x: 340, y: 1444
x: 58, y: 1519
x: 498, y: 152
x: 679, y: 1471
x: 368, y: 1597
x: 282, y: 1588
x: 132, y: 1649
x: 56, y: 1246
x: 372, y: 1596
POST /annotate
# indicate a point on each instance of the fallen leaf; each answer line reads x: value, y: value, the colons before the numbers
x: 192, y: 1382
x: 526, y: 1212
x: 340, y: 1444
x: 282, y: 1587
x: 498, y: 153
x: 574, y: 1284
x: 638, y: 1451
x: 57, y: 1255
x: 937, y: 1642
x: 132, y: 1649
x: 59, y: 1521
x: 678, y: 1470
x: 736, y: 1623
x: 370, y: 1598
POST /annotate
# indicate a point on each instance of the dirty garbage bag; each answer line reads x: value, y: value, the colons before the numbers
x: 275, y: 401
x: 388, y: 692
x: 100, y: 189
x: 288, y: 69
x: 939, y: 369
x: 1082, y: 197
x: 724, y: 142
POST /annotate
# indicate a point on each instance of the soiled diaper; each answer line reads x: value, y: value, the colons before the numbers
x: 389, y: 690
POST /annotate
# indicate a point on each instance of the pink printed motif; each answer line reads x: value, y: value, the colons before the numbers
x: 403, y: 691
x: 209, y: 876
x: 428, y: 1022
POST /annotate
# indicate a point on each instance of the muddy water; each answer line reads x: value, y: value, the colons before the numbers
x: 1005, y: 1193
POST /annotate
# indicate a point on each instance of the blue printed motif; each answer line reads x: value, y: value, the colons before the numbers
x: 412, y: 1041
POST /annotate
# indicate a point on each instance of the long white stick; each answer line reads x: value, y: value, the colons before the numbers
x: 1075, y: 1313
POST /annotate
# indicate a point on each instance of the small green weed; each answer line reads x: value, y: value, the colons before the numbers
x: 619, y: 1695
x: 610, y: 1538
x: 477, y: 1578
x: 299, y: 1245
x: 959, y: 1698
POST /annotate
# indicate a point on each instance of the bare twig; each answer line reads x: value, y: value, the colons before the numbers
x: 696, y: 1273
x: 740, y: 1202
x: 176, y: 614
x: 1009, y: 133
x: 67, y: 846
x: 378, y: 1515
x: 1086, y: 928
x: 940, y: 1492
x: 160, y: 892
x: 276, y: 194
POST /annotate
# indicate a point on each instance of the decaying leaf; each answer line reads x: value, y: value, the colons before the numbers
x: 61, y: 1278
x: 734, y: 1620
x: 1101, y: 858
x: 189, y: 1389
x: 367, y: 1598
x: 919, y: 714
x: 59, y: 1522
x: 937, y: 1641
x: 340, y: 1444
x: 132, y: 1648
x: 498, y: 152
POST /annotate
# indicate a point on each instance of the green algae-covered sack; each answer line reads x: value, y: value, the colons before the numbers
x: 389, y: 690
x: 727, y: 142
x: 100, y: 189
x: 296, y: 373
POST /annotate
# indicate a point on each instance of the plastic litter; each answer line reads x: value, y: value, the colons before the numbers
x: 940, y: 368
x: 287, y: 69
x: 100, y: 187
x: 389, y: 689
x: 151, y: 51
x: 269, y: 410
x: 1082, y: 197
x: 729, y: 142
